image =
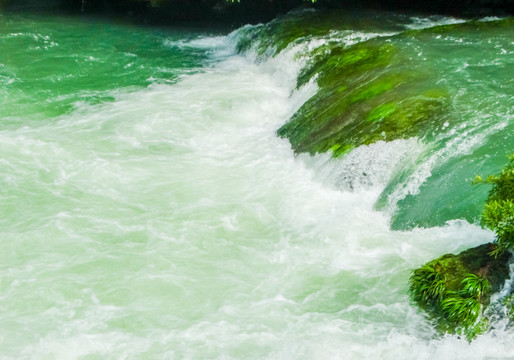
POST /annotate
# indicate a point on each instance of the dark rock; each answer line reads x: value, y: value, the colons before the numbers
x: 478, y: 261
x: 485, y: 11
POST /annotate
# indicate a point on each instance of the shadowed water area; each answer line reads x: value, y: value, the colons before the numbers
x: 193, y: 194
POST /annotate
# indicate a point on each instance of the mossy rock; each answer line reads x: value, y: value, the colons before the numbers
x: 365, y: 95
x: 455, y: 289
x: 378, y: 89
x: 479, y: 261
x: 370, y: 91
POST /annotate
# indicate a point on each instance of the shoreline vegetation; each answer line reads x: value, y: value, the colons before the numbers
x: 239, y: 12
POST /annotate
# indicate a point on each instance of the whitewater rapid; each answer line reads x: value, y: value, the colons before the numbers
x: 172, y: 223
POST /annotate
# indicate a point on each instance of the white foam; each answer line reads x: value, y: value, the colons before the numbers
x: 368, y: 166
x: 432, y: 21
x: 173, y: 223
x: 217, y: 46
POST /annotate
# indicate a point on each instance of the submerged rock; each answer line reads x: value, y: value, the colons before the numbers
x: 369, y: 91
x: 365, y: 95
x: 455, y: 290
x: 379, y: 89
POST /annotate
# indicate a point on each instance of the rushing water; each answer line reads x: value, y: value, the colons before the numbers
x: 149, y: 211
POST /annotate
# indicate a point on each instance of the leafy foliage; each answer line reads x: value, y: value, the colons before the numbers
x: 498, y: 213
x: 457, y: 307
x: 476, y: 287
x: 427, y: 286
x: 461, y: 310
x: 456, y: 311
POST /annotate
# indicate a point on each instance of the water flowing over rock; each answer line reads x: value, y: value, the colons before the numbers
x: 370, y: 91
x: 149, y: 210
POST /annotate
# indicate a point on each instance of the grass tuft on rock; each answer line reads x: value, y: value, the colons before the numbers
x: 455, y: 289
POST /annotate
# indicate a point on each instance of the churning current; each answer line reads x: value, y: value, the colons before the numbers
x: 149, y: 211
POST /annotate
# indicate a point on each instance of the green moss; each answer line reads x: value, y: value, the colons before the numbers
x: 365, y: 95
x: 338, y: 64
x: 412, y: 115
x: 367, y: 92
x: 361, y: 116
x: 374, y: 89
x: 382, y: 112
x: 350, y: 79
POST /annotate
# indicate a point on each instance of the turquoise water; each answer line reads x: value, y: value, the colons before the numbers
x: 149, y: 211
x: 48, y: 69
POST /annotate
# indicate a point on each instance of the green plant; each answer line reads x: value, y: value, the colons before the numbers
x: 498, y: 213
x: 463, y: 308
x: 457, y: 307
x: 427, y: 286
x: 462, y: 311
x: 475, y: 287
x: 454, y: 289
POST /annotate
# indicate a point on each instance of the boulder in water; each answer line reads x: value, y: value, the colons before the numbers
x: 455, y: 289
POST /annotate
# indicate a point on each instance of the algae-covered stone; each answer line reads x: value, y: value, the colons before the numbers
x: 455, y: 289
x: 379, y: 89
x: 366, y: 93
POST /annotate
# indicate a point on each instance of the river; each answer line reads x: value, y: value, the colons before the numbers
x: 149, y: 210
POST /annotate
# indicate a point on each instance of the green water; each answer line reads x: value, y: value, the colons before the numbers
x: 149, y: 211
x: 450, y: 86
x: 48, y: 70
x: 477, y: 134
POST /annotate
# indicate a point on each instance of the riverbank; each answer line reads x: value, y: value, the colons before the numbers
x: 168, y: 12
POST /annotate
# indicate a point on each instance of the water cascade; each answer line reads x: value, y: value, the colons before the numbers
x: 162, y: 197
